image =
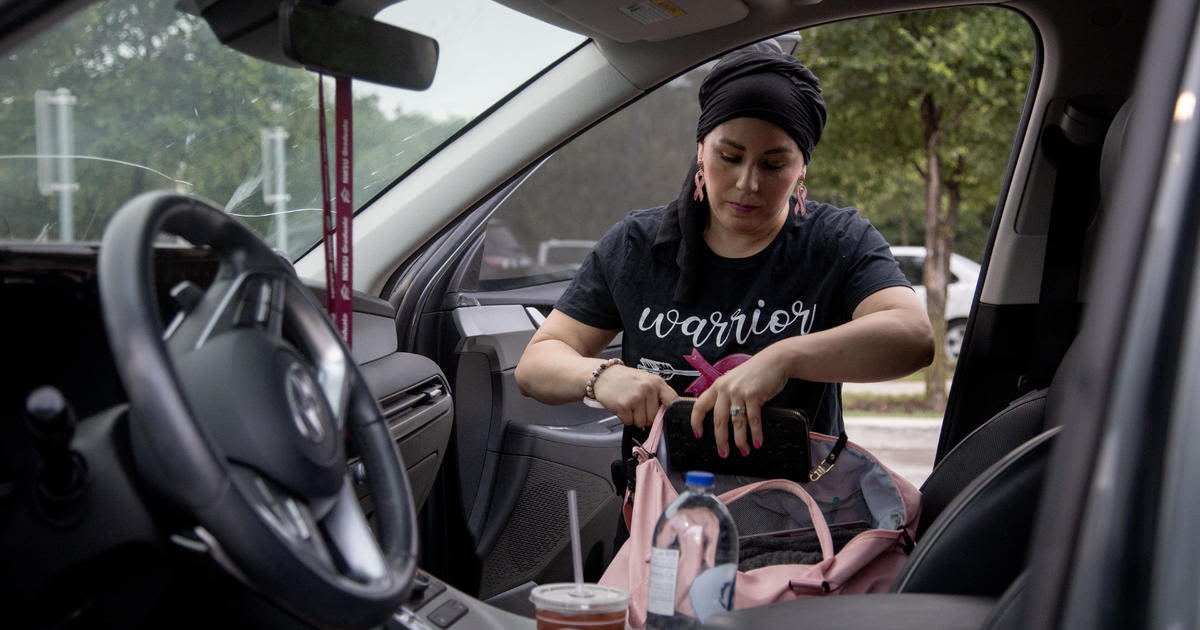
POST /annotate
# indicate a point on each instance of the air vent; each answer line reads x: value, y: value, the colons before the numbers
x: 404, y: 410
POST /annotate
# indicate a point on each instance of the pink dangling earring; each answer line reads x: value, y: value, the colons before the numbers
x: 802, y: 194
x: 699, y: 194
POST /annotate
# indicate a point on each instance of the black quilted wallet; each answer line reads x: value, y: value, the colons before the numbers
x: 784, y: 453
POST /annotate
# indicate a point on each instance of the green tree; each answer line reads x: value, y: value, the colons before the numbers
x: 160, y: 103
x: 922, y: 112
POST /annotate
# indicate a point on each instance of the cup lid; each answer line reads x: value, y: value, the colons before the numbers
x: 571, y: 598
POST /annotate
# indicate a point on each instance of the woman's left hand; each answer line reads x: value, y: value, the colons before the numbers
x: 747, y: 387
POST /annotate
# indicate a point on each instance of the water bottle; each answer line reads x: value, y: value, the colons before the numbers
x: 693, y: 559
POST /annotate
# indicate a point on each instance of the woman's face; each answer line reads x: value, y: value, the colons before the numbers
x: 751, y: 167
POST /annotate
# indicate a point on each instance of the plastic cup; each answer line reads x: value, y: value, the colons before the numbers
x: 584, y: 606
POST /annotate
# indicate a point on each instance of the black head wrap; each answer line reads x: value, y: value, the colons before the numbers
x: 754, y: 82
x: 764, y: 83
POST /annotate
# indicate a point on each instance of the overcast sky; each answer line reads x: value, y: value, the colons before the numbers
x: 485, y: 50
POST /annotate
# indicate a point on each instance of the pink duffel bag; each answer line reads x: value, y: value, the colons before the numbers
x: 847, y: 532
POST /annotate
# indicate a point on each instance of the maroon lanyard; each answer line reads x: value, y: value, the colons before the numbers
x: 338, y: 219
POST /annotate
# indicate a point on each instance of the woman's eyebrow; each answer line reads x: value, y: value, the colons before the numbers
x: 732, y: 144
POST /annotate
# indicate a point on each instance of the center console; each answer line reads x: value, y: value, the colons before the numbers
x: 435, y: 605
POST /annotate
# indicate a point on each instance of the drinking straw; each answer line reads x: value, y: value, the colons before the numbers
x: 573, y: 508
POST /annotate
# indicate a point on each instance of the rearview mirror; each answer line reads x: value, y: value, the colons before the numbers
x: 340, y: 44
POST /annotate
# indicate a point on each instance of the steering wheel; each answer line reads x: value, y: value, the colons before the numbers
x: 238, y: 413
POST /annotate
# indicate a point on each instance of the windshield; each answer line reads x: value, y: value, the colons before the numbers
x: 129, y: 96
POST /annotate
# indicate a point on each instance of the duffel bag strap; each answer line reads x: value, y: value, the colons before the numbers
x: 820, y: 525
x: 827, y: 464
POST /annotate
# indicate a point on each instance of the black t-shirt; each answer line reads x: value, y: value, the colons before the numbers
x: 810, y: 278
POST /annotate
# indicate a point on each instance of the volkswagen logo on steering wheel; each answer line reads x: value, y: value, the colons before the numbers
x: 304, y: 398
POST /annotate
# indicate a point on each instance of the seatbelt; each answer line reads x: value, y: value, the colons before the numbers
x: 1076, y: 195
x: 338, y: 217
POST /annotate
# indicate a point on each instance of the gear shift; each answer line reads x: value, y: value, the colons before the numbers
x: 62, y: 475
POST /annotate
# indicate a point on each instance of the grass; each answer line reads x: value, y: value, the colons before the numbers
x: 907, y: 405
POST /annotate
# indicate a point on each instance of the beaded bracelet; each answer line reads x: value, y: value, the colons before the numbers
x: 589, y: 390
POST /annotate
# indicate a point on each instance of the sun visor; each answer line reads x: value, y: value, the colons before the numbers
x: 636, y: 20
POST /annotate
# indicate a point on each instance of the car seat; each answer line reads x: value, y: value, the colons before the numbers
x: 983, y: 497
x: 978, y: 544
x: 1022, y: 420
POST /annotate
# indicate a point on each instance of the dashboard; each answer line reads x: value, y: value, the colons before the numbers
x: 51, y: 328
x: 115, y: 545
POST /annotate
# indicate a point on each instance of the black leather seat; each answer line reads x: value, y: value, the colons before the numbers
x: 1022, y: 420
x: 979, y: 543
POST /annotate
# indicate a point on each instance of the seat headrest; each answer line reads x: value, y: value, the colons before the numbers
x: 1110, y: 155
x: 1110, y: 158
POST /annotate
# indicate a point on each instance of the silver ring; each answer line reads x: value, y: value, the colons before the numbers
x: 736, y: 410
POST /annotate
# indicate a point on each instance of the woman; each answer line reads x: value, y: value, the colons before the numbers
x: 736, y: 291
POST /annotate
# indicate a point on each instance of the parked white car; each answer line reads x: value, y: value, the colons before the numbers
x: 960, y: 290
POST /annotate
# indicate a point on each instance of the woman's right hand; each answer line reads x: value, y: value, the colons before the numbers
x: 562, y: 355
x: 633, y: 395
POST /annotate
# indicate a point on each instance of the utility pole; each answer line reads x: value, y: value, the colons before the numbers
x: 56, y: 154
x: 275, y: 181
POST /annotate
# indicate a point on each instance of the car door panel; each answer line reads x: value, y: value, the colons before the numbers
x: 518, y: 457
x: 527, y: 533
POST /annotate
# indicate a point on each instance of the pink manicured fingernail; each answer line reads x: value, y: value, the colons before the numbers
x: 745, y: 452
x: 721, y: 452
x: 757, y: 444
x: 696, y: 432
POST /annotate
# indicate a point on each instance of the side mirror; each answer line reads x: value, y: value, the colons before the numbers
x: 340, y: 44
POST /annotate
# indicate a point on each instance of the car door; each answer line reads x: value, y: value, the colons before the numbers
x: 516, y: 457
x: 511, y: 460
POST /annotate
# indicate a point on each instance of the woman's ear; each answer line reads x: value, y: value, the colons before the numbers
x: 699, y: 151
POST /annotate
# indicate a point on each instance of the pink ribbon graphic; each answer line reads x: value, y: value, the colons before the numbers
x: 710, y: 372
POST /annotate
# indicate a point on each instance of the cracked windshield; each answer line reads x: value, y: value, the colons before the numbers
x: 129, y: 97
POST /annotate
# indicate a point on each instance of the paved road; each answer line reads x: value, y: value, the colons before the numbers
x: 906, y: 445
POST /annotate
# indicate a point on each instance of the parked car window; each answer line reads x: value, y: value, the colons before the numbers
x: 913, y: 268
x: 638, y: 158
